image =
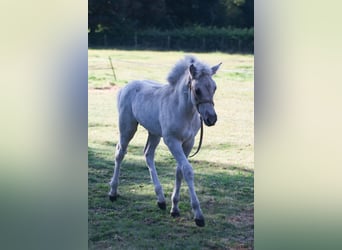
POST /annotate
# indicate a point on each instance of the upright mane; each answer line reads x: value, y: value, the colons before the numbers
x: 183, y: 65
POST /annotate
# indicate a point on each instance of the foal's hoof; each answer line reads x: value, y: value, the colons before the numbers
x: 200, y: 222
x: 112, y: 198
x: 162, y: 205
x: 175, y: 214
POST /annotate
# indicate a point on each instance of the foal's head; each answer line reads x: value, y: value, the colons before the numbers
x: 203, y: 88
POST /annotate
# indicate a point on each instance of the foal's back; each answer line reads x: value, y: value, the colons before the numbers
x: 140, y: 102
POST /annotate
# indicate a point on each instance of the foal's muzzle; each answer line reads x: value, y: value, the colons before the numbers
x: 210, y: 120
x: 207, y: 113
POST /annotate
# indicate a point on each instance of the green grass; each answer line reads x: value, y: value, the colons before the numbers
x: 224, y: 168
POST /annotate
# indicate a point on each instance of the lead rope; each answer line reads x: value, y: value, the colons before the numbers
x: 200, y: 141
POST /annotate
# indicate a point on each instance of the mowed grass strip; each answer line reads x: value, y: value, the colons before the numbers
x: 224, y: 168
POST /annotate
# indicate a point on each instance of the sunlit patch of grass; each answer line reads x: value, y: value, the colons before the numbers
x: 240, y: 76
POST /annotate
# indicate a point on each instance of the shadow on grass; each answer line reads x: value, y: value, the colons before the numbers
x: 226, y: 194
x: 97, y: 159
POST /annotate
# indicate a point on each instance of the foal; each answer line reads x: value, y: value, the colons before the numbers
x: 173, y: 111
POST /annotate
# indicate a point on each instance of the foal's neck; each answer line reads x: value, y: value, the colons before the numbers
x: 184, y: 95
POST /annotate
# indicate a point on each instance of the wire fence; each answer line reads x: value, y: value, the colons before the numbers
x: 223, y: 41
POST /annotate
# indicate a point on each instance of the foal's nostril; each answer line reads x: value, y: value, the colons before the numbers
x: 214, y: 118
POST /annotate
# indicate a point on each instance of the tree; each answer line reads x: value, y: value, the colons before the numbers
x: 239, y: 13
x: 125, y: 16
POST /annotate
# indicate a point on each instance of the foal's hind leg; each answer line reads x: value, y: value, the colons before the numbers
x: 127, y: 131
x: 175, y: 194
x: 151, y: 145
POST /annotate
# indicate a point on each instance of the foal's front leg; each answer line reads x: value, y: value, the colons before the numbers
x: 187, y: 146
x: 176, y: 149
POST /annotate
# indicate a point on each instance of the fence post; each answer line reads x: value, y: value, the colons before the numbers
x: 222, y: 44
x: 105, y: 42
x: 135, y: 40
x: 168, y: 42
x: 203, y: 44
x: 111, y: 64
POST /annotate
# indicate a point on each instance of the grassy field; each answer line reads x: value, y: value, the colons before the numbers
x: 224, y: 168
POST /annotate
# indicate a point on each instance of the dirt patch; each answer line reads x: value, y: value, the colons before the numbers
x: 243, y: 219
x: 112, y: 88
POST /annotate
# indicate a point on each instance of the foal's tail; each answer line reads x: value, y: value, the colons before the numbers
x: 118, y: 99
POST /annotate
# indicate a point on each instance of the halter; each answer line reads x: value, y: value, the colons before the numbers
x: 197, y: 99
x: 197, y: 104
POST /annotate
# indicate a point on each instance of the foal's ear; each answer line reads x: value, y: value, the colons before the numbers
x: 192, y: 71
x: 215, y: 68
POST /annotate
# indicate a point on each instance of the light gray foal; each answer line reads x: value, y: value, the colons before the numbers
x: 171, y: 111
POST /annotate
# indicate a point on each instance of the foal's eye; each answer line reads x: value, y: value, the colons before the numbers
x: 198, y: 91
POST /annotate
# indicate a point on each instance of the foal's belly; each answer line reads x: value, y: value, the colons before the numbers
x: 146, y: 112
x: 154, y: 129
